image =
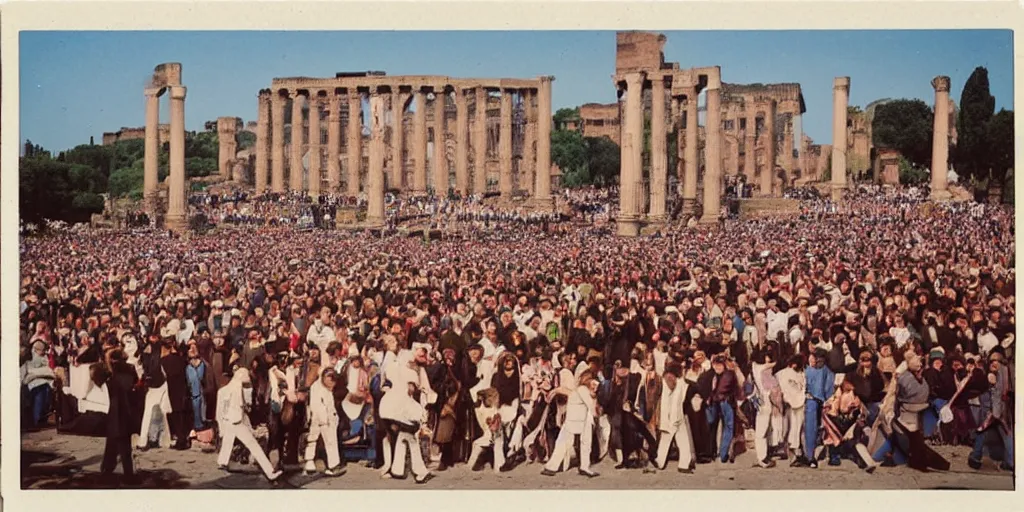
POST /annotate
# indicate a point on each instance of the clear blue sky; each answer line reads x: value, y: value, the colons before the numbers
x: 79, y: 84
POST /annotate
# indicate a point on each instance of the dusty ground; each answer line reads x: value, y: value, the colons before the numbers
x: 54, y: 461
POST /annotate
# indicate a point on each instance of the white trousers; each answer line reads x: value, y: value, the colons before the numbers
x: 329, y: 433
x: 242, y: 432
x: 406, y: 441
x: 564, y: 448
x: 683, y: 441
x: 762, y: 425
x: 604, y: 431
x: 795, y: 417
x: 155, y: 397
x: 778, y: 434
x: 495, y: 439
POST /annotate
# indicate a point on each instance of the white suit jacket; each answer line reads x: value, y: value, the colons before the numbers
x: 230, y: 410
x: 321, y: 406
x: 671, y: 416
x: 579, y: 416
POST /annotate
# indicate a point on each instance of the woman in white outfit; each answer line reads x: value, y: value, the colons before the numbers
x: 768, y: 396
x: 794, y: 395
x: 406, y: 415
x: 233, y: 423
x: 323, y: 424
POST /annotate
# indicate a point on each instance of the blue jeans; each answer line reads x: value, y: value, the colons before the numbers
x: 873, y: 409
x: 1005, y: 434
x: 723, y: 409
x: 898, y: 456
x: 41, y: 398
x: 198, y: 413
x: 811, y: 424
x: 930, y: 417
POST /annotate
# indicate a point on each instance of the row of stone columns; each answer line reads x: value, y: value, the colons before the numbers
x: 631, y: 188
x: 167, y: 77
x: 534, y: 169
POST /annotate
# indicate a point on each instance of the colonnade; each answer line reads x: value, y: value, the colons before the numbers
x: 389, y: 148
x: 166, y: 78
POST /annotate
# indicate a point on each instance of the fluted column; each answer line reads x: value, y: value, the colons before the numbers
x: 177, y: 209
x: 262, y: 145
x: 461, y: 142
x: 375, y: 175
x: 480, y: 143
x: 151, y: 165
x: 659, y: 153
x: 940, y: 140
x: 395, y: 176
x: 713, y: 152
x: 225, y: 151
x: 690, y: 175
x: 787, y: 157
x: 734, y: 146
x: 419, y: 143
x: 354, y: 144
x: 749, y: 143
x: 439, y: 161
x: 840, y: 99
x: 314, y: 147
x: 628, y: 222
x: 295, y: 172
x: 505, y: 145
x: 528, y: 165
x: 333, y: 143
x: 277, y: 104
x: 542, y: 188
x: 768, y: 173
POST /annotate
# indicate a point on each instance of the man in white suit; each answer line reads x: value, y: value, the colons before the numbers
x: 233, y: 424
x: 323, y: 423
x: 581, y: 411
x: 673, y: 424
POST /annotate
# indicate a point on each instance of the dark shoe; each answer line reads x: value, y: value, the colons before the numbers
x: 686, y: 471
x: 725, y: 460
x: 442, y: 466
x: 509, y: 465
x: 548, y: 472
x: 888, y: 462
x: 479, y: 465
x: 834, y: 461
x: 589, y: 474
x: 871, y: 469
x: 813, y: 464
x: 799, y: 462
x: 767, y: 463
x: 974, y: 463
x: 426, y: 478
x: 1006, y: 466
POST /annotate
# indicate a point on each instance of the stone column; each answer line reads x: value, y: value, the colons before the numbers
x: 505, y: 146
x: 528, y: 165
x: 461, y: 142
x: 768, y: 173
x: 226, y: 130
x: 480, y: 143
x: 375, y: 176
x: 355, y: 141
x: 333, y: 143
x: 749, y: 145
x: 734, y: 146
x: 151, y: 161
x: 713, y: 152
x: 419, y: 143
x: 314, y: 147
x: 628, y: 222
x: 295, y: 172
x: 787, y: 156
x: 659, y: 153
x: 840, y: 98
x: 542, y: 188
x: 691, y: 169
x: 262, y: 136
x: 940, y: 140
x: 277, y: 105
x: 397, y: 113
x: 177, y: 207
x: 439, y: 161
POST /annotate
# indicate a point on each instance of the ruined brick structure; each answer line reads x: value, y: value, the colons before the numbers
x: 126, y: 133
x: 510, y: 145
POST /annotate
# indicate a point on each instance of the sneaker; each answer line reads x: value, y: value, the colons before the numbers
x: 813, y: 464
x: 336, y: 471
x: 426, y: 478
x: 975, y: 464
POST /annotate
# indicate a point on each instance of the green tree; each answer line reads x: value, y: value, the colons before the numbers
x: 911, y: 174
x: 124, y: 181
x: 977, y: 107
x: 88, y: 202
x: 905, y: 125
x: 603, y: 160
x: 563, y: 115
x: 999, y: 137
x: 568, y: 150
x: 246, y: 140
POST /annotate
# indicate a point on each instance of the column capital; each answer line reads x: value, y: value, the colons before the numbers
x: 178, y: 92
x: 941, y: 83
x: 841, y: 83
x: 153, y: 91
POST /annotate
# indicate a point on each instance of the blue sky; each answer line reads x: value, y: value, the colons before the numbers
x: 79, y: 84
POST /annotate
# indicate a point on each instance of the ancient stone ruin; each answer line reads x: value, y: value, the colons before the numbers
x: 166, y: 78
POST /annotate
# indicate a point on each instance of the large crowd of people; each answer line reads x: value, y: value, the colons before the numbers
x: 858, y: 333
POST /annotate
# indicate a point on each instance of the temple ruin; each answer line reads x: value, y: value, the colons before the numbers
x: 166, y: 78
x: 436, y: 134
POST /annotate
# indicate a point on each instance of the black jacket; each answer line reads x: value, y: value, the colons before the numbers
x: 121, y: 415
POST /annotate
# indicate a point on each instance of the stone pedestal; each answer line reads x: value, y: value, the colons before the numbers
x: 940, y: 141
x: 177, y: 206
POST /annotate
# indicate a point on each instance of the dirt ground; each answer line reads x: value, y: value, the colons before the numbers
x: 55, y: 461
